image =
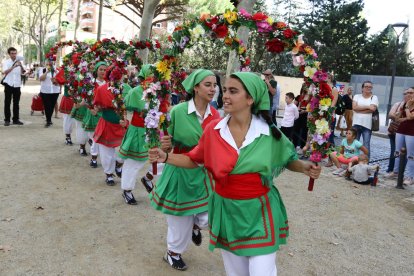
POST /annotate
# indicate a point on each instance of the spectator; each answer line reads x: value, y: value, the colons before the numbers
x: 362, y: 171
x: 12, y: 69
x: 348, y: 114
x: 289, y: 116
x: 363, y: 106
x: 335, y: 94
x: 276, y: 100
x: 395, y: 114
x: 271, y: 84
x: 350, y: 149
x: 300, y: 128
x: 405, y: 137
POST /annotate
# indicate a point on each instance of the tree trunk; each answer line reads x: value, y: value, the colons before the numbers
x: 98, y: 36
x: 77, y: 19
x: 233, y: 63
x: 146, y: 24
x: 58, y: 37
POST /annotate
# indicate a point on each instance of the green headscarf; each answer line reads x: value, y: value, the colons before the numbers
x: 145, y: 71
x: 256, y: 88
x: 195, y: 78
x: 95, y: 69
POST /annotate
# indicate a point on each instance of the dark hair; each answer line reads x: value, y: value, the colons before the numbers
x: 363, y: 84
x: 220, y: 96
x: 290, y: 95
x: 264, y: 113
x: 354, y: 132
x: 11, y: 49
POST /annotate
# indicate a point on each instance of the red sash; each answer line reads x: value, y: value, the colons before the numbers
x: 137, y: 120
x: 241, y: 186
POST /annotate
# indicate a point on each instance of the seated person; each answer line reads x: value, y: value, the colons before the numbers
x: 350, y: 149
x: 361, y: 172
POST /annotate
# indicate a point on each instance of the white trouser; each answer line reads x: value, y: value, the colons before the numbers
x: 180, y: 230
x: 107, y: 156
x: 262, y: 265
x: 67, y: 123
x: 130, y: 171
x: 160, y: 167
x: 94, y: 147
x: 81, y: 135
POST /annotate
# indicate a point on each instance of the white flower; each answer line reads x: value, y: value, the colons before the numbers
x: 197, y: 32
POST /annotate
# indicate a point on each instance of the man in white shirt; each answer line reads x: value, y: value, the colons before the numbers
x: 12, y: 69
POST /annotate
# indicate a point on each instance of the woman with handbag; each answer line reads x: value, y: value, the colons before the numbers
x: 394, y: 115
x: 405, y: 137
x: 364, y: 105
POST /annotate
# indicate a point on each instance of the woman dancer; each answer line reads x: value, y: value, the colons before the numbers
x: 244, y: 152
x: 133, y: 149
x: 182, y: 194
x: 92, y: 116
x: 65, y: 107
x: 109, y: 131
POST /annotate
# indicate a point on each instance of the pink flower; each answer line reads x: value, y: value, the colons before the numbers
x: 298, y: 60
x: 245, y: 14
x: 263, y: 27
x: 316, y: 157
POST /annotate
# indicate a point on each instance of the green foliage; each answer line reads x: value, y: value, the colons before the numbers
x: 30, y: 53
x: 49, y: 44
x: 206, y: 54
x: 196, y: 7
x: 338, y: 33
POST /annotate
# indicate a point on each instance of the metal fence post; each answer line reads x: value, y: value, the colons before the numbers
x: 403, y: 153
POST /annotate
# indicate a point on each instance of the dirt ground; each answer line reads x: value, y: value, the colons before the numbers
x: 58, y: 217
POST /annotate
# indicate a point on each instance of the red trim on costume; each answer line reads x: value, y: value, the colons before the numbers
x: 143, y: 154
x: 241, y: 186
x: 156, y: 196
x: 271, y: 226
x: 179, y: 209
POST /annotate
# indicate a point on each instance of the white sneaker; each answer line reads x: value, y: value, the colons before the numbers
x: 391, y: 175
x: 338, y: 171
x: 408, y: 181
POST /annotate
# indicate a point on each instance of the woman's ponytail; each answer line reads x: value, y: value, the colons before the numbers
x: 275, y: 131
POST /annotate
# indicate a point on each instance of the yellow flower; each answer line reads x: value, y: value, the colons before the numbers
x: 317, y: 64
x: 269, y: 20
x: 167, y: 75
x: 308, y: 108
x: 322, y: 126
x: 325, y: 101
x: 230, y: 16
x: 241, y: 50
x: 162, y: 66
x: 162, y: 119
x: 309, y: 50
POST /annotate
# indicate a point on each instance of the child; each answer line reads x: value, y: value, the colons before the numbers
x: 290, y: 115
x: 361, y: 171
x: 349, y: 152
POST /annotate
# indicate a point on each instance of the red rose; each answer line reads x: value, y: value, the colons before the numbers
x: 221, y: 31
x: 147, y: 44
x: 288, y: 33
x: 325, y: 90
x: 211, y: 22
x: 247, y: 62
x: 275, y: 45
x: 259, y: 16
x: 157, y: 44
